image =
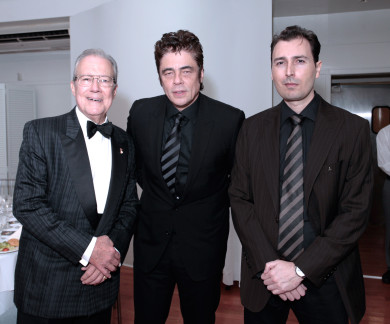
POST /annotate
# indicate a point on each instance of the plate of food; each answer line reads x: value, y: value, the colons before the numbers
x: 12, y: 245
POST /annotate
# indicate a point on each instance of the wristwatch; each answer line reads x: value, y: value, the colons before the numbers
x: 299, y: 272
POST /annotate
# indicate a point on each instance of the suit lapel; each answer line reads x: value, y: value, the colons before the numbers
x: 120, y: 153
x: 326, y: 128
x: 202, y: 135
x: 269, y: 142
x: 76, y: 154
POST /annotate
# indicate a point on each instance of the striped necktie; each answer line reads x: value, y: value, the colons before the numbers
x: 170, y: 154
x: 291, y: 201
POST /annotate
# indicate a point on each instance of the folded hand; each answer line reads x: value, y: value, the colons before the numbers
x: 92, y: 276
x: 104, y: 256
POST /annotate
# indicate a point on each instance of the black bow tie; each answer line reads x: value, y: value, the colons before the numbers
x: 105, y: 129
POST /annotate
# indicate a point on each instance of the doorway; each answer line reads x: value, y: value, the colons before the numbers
x: 359, y: 94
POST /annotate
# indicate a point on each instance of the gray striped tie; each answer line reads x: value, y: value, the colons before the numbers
x: 291, y: 202
x: 170, y: 155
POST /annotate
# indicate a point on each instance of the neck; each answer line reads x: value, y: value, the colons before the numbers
x: 300, y: 105
x: 98, y: 120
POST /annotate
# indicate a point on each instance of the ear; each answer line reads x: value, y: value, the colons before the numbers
x: 201, y: 76
x: 73, y: 88
x: 318, y: 68
x: 114, y: 91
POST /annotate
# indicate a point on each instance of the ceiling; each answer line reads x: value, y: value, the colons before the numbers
x: 53, y: 34
x: 283, y: 8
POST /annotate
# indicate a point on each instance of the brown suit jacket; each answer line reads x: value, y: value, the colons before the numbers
x: 338, y: 184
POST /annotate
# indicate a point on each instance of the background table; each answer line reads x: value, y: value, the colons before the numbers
x: 7, y: 271
x: 7, y: 279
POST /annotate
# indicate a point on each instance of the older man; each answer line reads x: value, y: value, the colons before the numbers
x: 76, y: 197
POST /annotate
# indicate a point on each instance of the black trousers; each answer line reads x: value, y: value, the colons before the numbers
x: 103, y: 317
x: 319, y: 306
x: 153, y: 292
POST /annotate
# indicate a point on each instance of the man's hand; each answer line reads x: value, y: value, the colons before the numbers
x: 280, y: 277
x: 294, y: 294
x: 92, y: 276
x: 104, y: 256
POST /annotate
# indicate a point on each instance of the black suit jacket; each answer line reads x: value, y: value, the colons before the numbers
x: 54, y: 200
x: 200, y: 220
x: 338, y: 183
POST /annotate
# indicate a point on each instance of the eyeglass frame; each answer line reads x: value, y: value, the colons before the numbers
x: 93, y: 77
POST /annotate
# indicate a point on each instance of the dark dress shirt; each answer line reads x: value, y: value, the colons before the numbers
x: 187, y: 134
x: 286, y: 126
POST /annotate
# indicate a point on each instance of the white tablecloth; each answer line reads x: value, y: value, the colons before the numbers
x: 7, y: 277
x: 7, y: 307
x: 7, y: 271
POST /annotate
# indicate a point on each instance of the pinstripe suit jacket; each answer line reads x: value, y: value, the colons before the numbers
x: 54, y: 200
x: 338, y: 184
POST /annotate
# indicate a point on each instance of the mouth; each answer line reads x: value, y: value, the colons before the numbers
x: 179, y: 92
x: 290, y: 84
x: 95, y: 100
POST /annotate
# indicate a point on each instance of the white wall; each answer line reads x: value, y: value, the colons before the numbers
x: 48, y: 73
x: 235, y: 37
x: 15, y: 10
x: 235, y: 41
x: 35, y: 67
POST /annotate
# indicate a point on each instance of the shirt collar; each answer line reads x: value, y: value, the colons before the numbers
x: 191, y: 112
x: 83, y: 121
x: 309, y: 112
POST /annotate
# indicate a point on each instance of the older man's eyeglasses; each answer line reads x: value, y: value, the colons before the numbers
x: 87, y: 80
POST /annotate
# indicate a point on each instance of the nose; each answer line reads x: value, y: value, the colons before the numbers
x: 289, y: 69
x: 95, y: 85
x: 177, y: 79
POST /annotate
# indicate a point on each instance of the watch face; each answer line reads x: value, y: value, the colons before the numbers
x: 299, y: 272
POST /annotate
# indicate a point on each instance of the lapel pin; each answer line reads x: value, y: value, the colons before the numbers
x: 121, y: 151
x: 329, y: 168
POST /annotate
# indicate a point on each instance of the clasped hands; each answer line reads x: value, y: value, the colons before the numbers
x: 281, y: 279
x: 104, y: 260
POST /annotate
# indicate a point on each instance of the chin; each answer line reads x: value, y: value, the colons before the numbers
x: 180, y: 105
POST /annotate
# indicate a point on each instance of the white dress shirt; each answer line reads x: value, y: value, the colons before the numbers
x: 100, y: 159
x: 383, y: 148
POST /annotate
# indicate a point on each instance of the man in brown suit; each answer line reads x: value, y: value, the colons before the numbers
x: 321, y: 177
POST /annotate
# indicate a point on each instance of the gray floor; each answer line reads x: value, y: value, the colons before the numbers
x: 7, y: 308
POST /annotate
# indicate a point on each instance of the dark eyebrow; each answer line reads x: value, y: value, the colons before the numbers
x: 181, y: 68
x: 167, y: 69
x: 278, y: 58
x: 301, y: 56
x: 294, y: 57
